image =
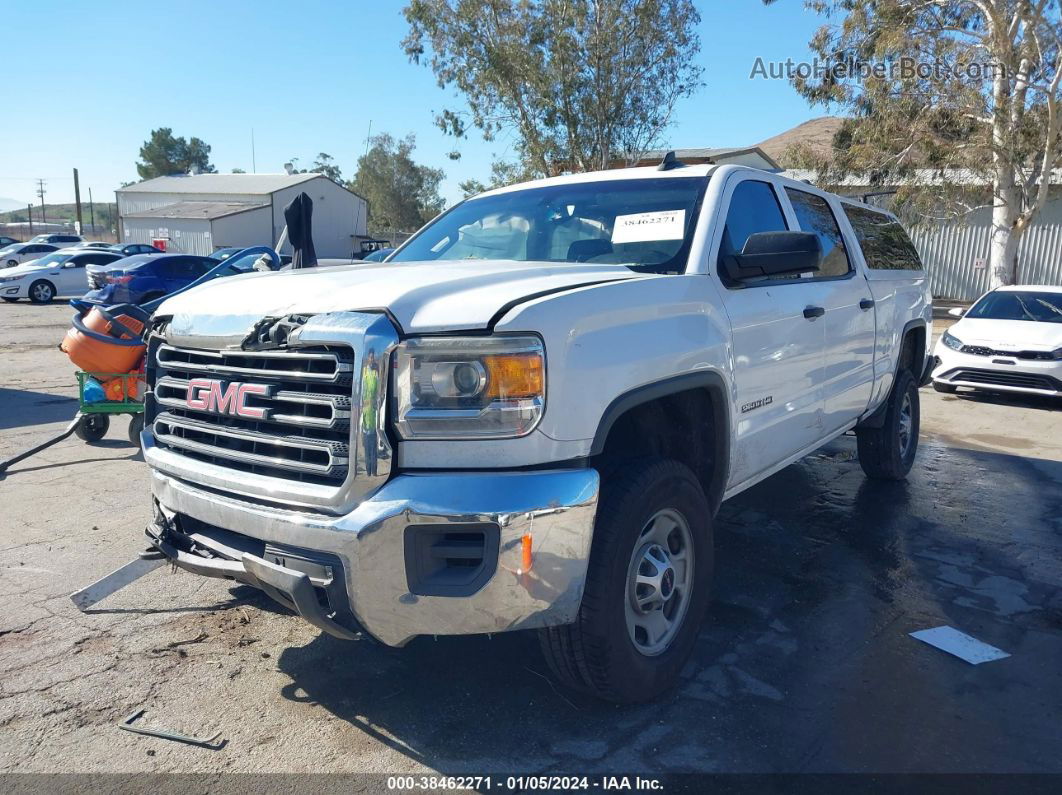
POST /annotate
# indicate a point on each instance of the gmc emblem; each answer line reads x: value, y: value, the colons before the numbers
x: 207, y: 394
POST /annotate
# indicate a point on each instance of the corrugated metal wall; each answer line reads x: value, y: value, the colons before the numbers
x: 951, y: 251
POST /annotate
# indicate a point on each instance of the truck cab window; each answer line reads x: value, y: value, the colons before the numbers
x: 814, y: 214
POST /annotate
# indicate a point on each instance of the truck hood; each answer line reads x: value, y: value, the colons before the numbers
x: 1008, y: 334
x: 421, y: 296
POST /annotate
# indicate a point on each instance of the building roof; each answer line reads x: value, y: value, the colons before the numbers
x: 257, y: 184
x: 716, y: 155
x: 206, y: 210
x: 815, y: 135
x: 922, y: 177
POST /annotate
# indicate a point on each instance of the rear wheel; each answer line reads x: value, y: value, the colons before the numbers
x: 136, y: 425
x: 41, y: 292
x: 947, y: 389
x: 887, y: 453
x: 93, y: 427
x: 647, y: 586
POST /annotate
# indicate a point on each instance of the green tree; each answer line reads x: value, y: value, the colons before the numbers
x: 581, y: 83
x: 502, y: 173
x: 947, y: 90
x: 163, y: 154
x: 323, y: 164
x: 402, y: 194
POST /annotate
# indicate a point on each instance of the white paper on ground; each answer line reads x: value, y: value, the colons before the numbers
x: 960, y: 644
x: 643, y: 227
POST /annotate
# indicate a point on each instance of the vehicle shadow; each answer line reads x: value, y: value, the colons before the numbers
x: 22, y: 408
x: 820, y: 575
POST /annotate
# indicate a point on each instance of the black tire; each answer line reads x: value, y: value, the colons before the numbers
x: 12, y: 263
x: 42, y: 291
x: 947, y: 389
x: 10, y: 300
x: 136, y: 425
x: 883, y: 453
x: 598, y: 654
x: 92, y: 427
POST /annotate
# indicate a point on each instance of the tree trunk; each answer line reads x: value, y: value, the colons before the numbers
x: 1003, y: 248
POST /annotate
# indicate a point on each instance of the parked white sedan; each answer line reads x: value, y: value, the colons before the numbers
x: 61, y: 273
x: 1009, y: 341
x: 19, y: 253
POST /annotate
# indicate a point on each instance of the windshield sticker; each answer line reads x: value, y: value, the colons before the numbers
x: 643, y: 227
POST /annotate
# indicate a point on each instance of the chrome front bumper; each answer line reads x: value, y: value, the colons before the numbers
x: 544, y: 520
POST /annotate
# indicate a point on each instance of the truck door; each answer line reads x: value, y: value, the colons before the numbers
x: 778, y: 342
x: 848, y: 375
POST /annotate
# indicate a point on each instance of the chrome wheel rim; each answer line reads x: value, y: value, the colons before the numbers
x: 42, y: 293
x: 659, y: 582
x: 906, y: 424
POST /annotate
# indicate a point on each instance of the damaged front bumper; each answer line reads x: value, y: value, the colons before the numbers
x: 428, y: 554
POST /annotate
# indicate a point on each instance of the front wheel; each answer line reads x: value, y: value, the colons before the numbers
x: 93, y: 427
x: 888, y: 452
x: 647, y: 586
x: 41, y: 292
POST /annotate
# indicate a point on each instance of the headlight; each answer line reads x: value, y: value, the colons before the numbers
x: 952, y: 342
x: 9, y: 279
x: 469, y: 387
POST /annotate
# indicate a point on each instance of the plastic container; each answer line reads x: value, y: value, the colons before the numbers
x: 106, y: 340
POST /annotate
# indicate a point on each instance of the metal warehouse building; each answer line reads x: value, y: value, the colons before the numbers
x: 198, y: 213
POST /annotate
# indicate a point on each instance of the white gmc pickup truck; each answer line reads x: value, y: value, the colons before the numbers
x: 528, y: 416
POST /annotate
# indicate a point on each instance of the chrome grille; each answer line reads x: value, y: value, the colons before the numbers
x: 980, y: 350
x: 303, y: 427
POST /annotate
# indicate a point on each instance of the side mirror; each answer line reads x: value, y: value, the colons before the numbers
x: 956, y: 311
x: 776, y: 254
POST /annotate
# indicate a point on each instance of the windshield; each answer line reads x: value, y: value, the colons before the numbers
x: 645, y: 224
x: 1011, y: 305
x: 52, y: 259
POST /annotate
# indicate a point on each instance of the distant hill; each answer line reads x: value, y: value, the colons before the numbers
x: 63, y: 214
x: 816, y: 135
x: 7, y: 203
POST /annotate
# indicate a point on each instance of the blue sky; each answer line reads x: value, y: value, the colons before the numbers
x: 85, y: 83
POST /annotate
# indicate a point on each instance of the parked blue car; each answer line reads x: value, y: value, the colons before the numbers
x: 144, y: 278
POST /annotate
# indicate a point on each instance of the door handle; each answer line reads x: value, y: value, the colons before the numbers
x: 813, y: 312
x: 866, y: 304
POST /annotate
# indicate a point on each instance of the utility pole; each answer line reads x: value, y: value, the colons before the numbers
x: 254, y: 167
x: 92, y: 214
x: 29, y: 215
x: 40, y: 192
x: 77, y: 203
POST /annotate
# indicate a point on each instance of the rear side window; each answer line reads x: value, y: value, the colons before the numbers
x: 814, y: 214
x: 885, y: 244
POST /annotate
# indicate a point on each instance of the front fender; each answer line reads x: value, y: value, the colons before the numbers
x: 609, y: 340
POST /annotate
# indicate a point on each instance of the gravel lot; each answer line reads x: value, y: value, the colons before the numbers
x: 804, y: 665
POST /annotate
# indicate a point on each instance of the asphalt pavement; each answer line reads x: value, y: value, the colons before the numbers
x: 804, y: 665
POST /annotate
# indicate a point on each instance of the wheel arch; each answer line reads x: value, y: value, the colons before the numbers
x: 913, y: 339
x: 706, y: 384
